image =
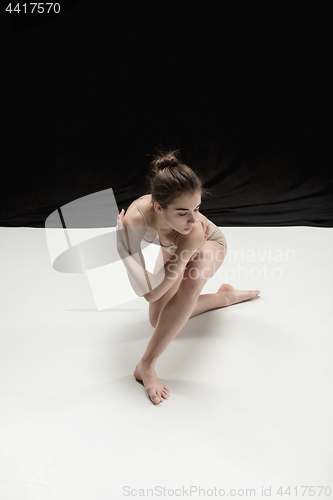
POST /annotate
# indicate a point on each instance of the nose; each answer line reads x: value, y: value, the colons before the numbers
x: 191, y: 219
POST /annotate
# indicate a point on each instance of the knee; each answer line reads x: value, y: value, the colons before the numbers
x: 192, y: 285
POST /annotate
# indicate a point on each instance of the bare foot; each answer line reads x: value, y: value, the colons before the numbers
x: 231, y: 296
x: 146, y: 375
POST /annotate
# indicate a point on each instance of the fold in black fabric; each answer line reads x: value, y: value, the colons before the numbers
x: 79, y: 123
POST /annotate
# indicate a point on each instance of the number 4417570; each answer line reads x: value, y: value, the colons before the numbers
x: 30, y: 8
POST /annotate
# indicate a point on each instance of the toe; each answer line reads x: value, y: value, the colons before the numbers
x: 155, y: 397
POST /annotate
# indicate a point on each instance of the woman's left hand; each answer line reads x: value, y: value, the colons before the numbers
x: 120, y: 218
x: 121, y: 247
x: 206, y: 230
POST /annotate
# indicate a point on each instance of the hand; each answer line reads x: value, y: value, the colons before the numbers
x: 206, y: 230
x: 119, y: 219
x: 121, y: 246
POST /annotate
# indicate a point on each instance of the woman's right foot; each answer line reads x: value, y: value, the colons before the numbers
x: 146, y: 374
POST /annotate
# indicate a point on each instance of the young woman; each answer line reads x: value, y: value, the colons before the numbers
x: 192, y: 248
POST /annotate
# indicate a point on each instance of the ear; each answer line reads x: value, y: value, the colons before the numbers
x: 157, y: 207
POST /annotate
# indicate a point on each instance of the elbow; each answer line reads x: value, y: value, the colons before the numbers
x: 151, y: 296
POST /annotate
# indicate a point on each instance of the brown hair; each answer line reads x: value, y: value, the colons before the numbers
x: 170, y: 178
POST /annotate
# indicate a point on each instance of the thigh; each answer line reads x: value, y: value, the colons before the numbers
x: 206, y: 262
x: 203, y: 265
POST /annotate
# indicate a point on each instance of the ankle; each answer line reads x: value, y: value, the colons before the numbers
x: 148, y: 362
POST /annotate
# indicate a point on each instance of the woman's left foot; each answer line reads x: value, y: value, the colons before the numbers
x: 229, y: 295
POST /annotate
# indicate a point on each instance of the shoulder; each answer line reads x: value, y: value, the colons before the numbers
x: 132, y: 219
x: 132, y: 216
x: 133, y: 223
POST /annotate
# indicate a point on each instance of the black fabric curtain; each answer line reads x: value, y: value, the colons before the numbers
x: 88, y: 111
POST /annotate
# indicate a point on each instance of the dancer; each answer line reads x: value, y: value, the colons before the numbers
x: 192, y: 249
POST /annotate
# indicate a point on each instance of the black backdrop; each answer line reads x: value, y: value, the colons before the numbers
x: 89, y: 96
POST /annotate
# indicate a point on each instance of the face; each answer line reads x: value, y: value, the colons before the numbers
x: 182, y: 213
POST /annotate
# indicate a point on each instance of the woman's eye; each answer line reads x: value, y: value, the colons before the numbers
x: 196, y: 210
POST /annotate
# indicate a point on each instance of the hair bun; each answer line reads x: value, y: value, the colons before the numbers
x: 163, y: 161
x: 166, y: 162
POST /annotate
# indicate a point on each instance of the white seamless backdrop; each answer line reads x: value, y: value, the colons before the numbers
x: 251, y: 385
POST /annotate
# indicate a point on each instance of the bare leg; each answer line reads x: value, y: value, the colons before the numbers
x: 171, y: 320
x: 226, y: 296
x: 186, y: 302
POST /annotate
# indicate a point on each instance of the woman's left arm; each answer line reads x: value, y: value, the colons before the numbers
x: 188, y: 247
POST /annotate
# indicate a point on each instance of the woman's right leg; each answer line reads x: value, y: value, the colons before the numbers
x: 156, y: 307
x: 172, y: 318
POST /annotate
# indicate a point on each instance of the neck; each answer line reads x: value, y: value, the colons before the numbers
x: 157, y: 222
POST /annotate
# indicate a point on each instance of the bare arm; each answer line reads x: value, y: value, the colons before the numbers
x: 188, y: 245
x: 153, y: 286
x: 129, y: 238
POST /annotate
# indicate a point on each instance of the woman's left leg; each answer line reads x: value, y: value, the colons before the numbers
x: 225, y: 296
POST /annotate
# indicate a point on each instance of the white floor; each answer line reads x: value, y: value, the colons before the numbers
x: 251, y: 385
